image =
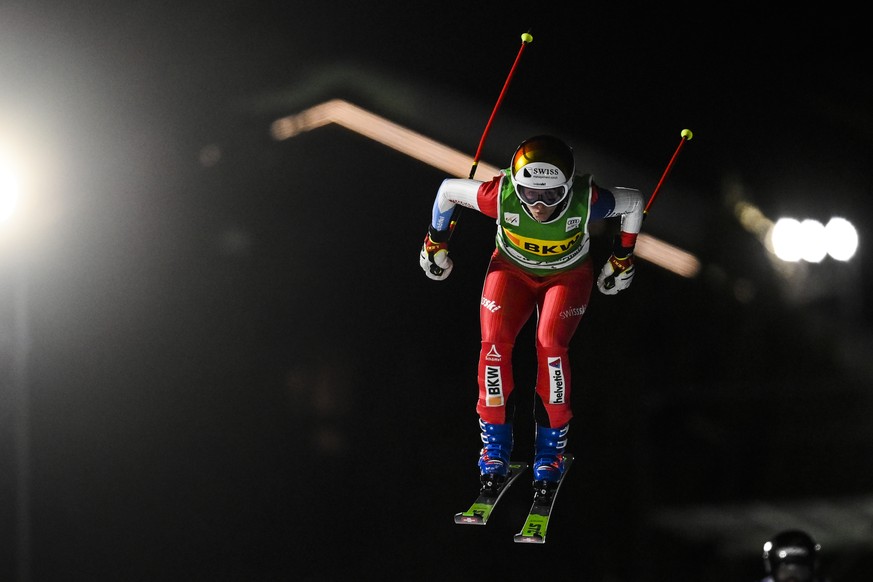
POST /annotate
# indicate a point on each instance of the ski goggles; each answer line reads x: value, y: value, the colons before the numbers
x: 547, y: 196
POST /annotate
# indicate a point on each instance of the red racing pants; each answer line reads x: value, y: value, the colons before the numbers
x: 509, y: 298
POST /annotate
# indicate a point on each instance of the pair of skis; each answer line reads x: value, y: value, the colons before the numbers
x: 537, y: 522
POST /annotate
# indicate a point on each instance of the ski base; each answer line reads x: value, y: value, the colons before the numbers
x: 481, y: 509
x: 537, y: 522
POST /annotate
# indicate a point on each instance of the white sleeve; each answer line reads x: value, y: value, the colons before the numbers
x: 629, y: 204
x: 451, y: 192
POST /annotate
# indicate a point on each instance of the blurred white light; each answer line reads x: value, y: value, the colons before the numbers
x: 812, y: 241
x: 785, y: 237
x: 9, y: 189
x: 381, y: 130
x: 27, y: 170
x: 809, y: 240
x: 841, y: 239
x: 667, y: 256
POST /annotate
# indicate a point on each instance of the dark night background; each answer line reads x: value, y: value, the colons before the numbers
x: 236, y: 370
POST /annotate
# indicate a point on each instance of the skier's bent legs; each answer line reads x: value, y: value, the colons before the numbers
x: 561, y: 305
x: 562, y: 302
x: 507, y: 302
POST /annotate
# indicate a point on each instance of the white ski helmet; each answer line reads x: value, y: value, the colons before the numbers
x: 542, y: 170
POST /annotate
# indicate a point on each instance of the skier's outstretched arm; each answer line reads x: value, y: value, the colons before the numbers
x: 618, y: 271
x: 434, y: 255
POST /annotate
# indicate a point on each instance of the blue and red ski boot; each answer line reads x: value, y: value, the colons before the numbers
x: 548, y: 465
x: 494, y: 456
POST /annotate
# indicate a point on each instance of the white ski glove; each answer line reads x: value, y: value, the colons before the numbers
x: 616, y: 274
x: 434, y: 256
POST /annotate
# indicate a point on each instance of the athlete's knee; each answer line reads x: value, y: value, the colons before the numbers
x: 495, y: 352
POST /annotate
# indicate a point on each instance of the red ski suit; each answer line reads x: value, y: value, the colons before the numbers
x: 510, y: 295
x: 541, y: 267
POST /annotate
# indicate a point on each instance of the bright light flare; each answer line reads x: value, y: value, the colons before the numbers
x: 809, y: 240
x: 20, y: 222
x: 785, y: 239
x: 9, y: 188
x: 812, y: 241
x: 842, y: 239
